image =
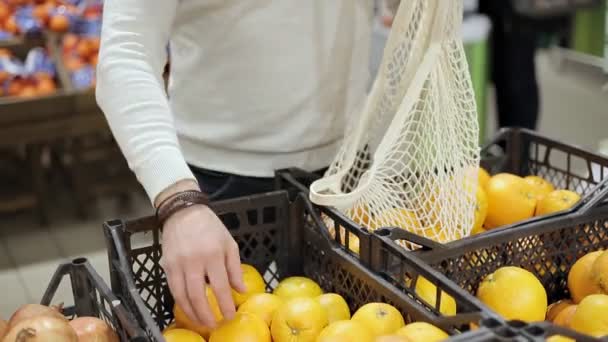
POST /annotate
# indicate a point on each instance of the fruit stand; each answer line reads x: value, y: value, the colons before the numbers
x: 49, y: 118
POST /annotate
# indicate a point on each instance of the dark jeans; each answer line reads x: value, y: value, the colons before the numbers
x: 221, y: 186
x: 513, y: 68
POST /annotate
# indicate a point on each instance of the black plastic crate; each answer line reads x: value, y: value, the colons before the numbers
x: 280, y: 238
x: 548, y: 248
x: 92, y: 298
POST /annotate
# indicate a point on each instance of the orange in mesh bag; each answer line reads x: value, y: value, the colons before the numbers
x: 410, y: 159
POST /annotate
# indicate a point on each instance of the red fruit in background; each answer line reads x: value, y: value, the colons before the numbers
x: 42, y: 13
x: 69, y: 43
x: 73, y: 63
x: 5, y: 12
x: 46, y: 87
x: 39, y: 76
x: 84, y: 48
x: 95, y: 43
x: 93, y: 60
x: 4, y: 76
x: 28, y: 91
x: 10, y: 25
x: 59, y: 23
x: 15, y: 87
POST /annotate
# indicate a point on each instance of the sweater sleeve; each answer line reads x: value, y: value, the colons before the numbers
x: 131, y: 93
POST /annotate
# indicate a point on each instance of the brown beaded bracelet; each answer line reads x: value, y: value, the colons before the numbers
x: 178, y: 201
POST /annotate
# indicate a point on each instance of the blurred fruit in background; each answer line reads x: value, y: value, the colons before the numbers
x: 32, y: 77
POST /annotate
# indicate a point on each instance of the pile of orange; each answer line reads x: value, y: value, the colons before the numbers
x: 516, y: 294
x: 501, y: 200
x: 586, y: 311
x: 511, y: 199
x: 298, y: 310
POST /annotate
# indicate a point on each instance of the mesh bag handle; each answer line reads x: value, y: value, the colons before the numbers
x: 410, y: 159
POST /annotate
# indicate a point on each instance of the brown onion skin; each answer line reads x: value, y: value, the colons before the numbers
x: 28, y: 311
x: 92, y: 329
x: 41, y: 329
x: 3, y: 328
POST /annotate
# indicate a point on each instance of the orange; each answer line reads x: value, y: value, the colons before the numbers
x: 422, y: 332
x: 182, y: 335
x: 427, y: 291
x: 262, y: 305
x: 590, y: 317
x: 59, y: 23
x: 345, y: 330
x: 481, y: 210
x: 170, y: 327
x: 599, y: 272
x: 184, y: 321
x: 515, y: 294
x: 353, y: 240
x: 540, y: 186
x: 402, y: 218
x: 580, y: 282
x: 557, y: 307
x: 556, y: 201
x: 481, y: 230
x: 254, y: 283
x: 360, y: 214
x: 298, y: 320
x: 564, y: 318
x: 335, y: 306
x: 380, y: 318
x: 392, y: 338
x: 559, y: 338
x: 294, y: 287
x: 484, y: 178
x: 510, y: 200
x: 243, y: 328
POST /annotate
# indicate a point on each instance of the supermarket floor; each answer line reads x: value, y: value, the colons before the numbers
x: 573, y: 109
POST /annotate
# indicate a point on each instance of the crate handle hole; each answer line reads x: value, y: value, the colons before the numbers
x: 535, y: 331
x: 383, y: 232
x: 491, y: 323
x: 517, y: 324
x: 79, y: 261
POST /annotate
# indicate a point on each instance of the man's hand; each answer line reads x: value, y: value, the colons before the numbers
x: 196, y: 245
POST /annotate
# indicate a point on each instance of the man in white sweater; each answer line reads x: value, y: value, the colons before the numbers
x: 254, y: 86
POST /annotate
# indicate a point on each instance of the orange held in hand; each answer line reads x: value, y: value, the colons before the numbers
x: 185, y: 322
x: 263, y: 305
x: 253, y: 282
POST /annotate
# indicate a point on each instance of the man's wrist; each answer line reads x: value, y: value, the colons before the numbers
x: 182, y: 185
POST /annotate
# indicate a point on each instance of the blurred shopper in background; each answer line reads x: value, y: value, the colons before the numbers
x: 513, y: 70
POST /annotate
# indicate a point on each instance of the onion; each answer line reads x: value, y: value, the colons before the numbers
x: 3, y: 328
x: 42, y: 329
x: 34, y: 310
x: 92, y: 329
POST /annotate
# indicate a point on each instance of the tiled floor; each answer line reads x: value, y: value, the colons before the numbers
x: 573, y: 108
x: 30, y: 254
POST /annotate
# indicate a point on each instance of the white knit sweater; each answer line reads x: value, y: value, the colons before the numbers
x: 255, y: 85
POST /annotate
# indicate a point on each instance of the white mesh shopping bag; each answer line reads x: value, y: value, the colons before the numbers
x: 410, y: 159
